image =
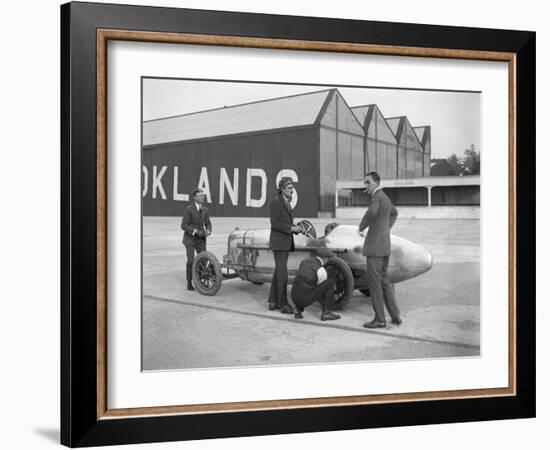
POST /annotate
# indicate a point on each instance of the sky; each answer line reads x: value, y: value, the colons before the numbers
x: 454, y: 117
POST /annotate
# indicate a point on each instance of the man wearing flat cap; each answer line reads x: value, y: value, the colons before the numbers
x: 196, y: 228
x: 281, y: 242
x: 312, y: 284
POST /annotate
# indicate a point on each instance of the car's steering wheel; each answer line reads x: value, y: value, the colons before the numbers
x: 308, y: 229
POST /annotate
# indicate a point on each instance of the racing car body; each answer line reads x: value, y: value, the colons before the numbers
x: 249, y: 258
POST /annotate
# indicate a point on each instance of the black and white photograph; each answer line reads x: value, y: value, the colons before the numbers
x: 288, y: 224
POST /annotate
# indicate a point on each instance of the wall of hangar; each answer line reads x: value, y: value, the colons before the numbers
x: 238, y: 173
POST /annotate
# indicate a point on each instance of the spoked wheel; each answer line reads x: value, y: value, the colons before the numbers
x: 207, y: 273
x: 342, y: 277
x: 309, y: 229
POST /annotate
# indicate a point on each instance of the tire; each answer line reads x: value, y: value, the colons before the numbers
x: 342, y: 277
x: 207, y: 273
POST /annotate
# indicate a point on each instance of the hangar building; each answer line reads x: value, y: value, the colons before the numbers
x: 380, y: 142
x: 237, y: 154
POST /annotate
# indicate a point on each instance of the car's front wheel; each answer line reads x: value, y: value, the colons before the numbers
x: 207, y: 273
x: 342, y: 277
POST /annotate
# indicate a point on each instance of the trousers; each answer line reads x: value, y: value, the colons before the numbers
x: 304, y: 295
x: 279, y: 281
x: 380, y: 288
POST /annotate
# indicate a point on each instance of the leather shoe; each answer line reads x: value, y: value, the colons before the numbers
x: 374, y: 324
x: 272, y: 306
x: 190, y: 287
x: 327, y: 315
x: 286, y: 309
x: 397, y: 321
x: 298, y: 315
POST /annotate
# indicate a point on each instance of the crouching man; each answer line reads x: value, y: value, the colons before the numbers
x: 313, y: 285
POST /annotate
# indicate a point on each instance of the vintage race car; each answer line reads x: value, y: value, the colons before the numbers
x: 249, y: 258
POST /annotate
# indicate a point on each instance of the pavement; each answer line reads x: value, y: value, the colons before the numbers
x: 185, y: 330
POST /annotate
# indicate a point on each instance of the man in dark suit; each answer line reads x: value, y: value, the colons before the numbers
x: 196, y: 228
x: 281, y: 242
x: 311, y: 285
x: 380, y: 217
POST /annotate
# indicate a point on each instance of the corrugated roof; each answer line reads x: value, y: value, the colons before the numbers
x: 396, y: 125
x: 292, y: 111
x: 423, y: 133
x: 399, y: 125
x: 420, y: 132
x: 361, y: 112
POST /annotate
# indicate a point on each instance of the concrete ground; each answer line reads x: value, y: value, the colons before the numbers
x: 182, y: 329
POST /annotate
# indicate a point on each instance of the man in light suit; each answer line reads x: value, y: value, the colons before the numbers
x: 281, y: 242
x: 196, y: 228
x: 379, y: 218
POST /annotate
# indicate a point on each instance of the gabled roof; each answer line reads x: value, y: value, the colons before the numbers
x: 365, y: 114
x: 419, y: 132
x: 361, y: 112
x: 423, y: 133
x: 397, y: 124
x: 284, y: 112
x: 357, y: 121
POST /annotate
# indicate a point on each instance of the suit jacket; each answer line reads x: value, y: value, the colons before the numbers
x: 380, y: 217
x: 307, y: 272
x: 280, y: 215
x: 194, y: 220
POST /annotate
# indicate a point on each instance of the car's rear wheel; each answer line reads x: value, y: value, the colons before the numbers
x: 342, y: 277
x: 207, y: 273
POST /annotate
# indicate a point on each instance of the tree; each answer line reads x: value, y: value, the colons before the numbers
x: 472, y: 160
x: 469, y: 163
x: 454, y: 162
